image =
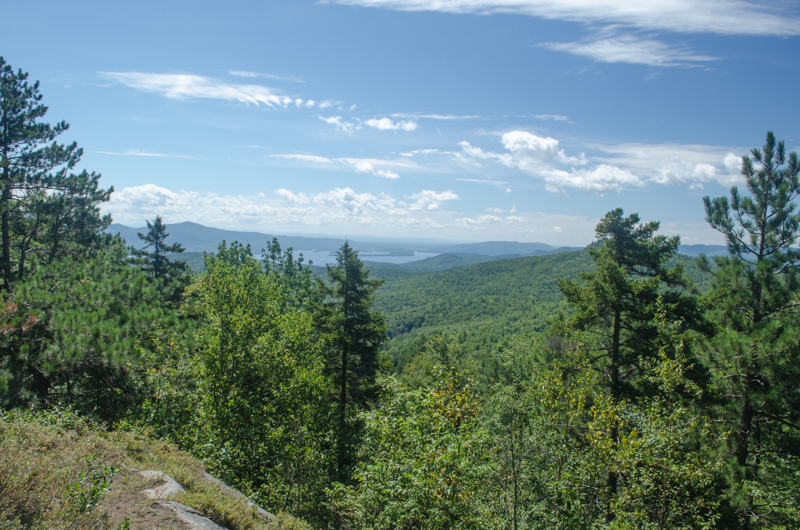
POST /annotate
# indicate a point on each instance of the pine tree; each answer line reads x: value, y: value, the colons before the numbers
x: 354, y: 332
x: 26, y: 155
x: 757, y: 357
x: 617, y: 304
x: 156, y: 262
x: 174, y: 276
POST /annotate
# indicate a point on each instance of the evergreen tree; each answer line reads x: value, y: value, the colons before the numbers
x: 615, y: 308
x: 757, y: 358
x: 353, y: 332
x: 26, y: 159
x: 155, y: 262
x: 173, y: 275
x: 295, y: 279
x: 77, y: 332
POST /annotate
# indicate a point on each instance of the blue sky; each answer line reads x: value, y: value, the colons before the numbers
x: 473, y: 120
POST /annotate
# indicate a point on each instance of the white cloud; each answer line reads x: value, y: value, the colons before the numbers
x: 423, y: 116
x: 482, y: 221
x: 554, y: 117
x: 340, y: 211
x: 372, y: 166
x: 306, y: 158
x: 365, y: 166
x: 531, y: 150
x: 136, y: 152
x: 245, y: 73
x: 352, y: 202
x: 386, y: 124
x: 298, y: 198
x: 385, y: 173
x: 601, y: 179
x: 536, y: 155
x: 676, y: 163
x: 727, y: 17
x: 342, y: 125
x: 476, y: 152
x: 679, y: 171
x: 631, y: 49
x: 188, y: 86
x: 733, y: 164
x: 428, y: 200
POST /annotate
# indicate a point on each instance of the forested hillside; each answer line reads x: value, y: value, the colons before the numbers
x: 600, y: 388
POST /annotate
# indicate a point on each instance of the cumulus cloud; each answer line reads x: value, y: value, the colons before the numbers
x: 733, y: 164
x: 352, y: 202
x: 679, y: 171
x: 601, y: 179
x: 727, y: 17
x: 675, y: 164
x: 298, y: 198
x: 631, y: 49
x: 429, y: 200
x: 188, y: 86
x: 386, y: 124
x: 617, y: 167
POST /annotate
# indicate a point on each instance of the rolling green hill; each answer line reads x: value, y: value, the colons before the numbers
x: 485, y: 303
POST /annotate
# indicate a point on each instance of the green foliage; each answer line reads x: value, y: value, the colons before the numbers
x: 90, y: 485
x: 172, y: 276
x: 352, y: 332
x: 251, y: 395
x: 425, y: 462
x: 616, y: 306
x: 755, y: 356
x: 79, y: 332
x: 298, y: 290
x: 42, y: 213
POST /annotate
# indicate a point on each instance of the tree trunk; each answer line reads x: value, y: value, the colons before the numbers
x: 611, y: 483
x: 342, y: 442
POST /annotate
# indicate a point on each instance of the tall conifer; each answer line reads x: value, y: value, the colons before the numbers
x: 354, y: 332
x: 757, y: 356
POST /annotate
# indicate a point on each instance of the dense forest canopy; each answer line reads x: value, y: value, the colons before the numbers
x: 621, y: 386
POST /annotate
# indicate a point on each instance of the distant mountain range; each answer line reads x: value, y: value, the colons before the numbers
x: 198, y: 238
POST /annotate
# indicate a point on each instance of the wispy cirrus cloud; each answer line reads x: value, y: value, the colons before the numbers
x: 189, y: 86
x: 136, y: 152
x: 726, y: 17
x: 246, y: 73
x: 631, y: 49
x: 373, y: 166
x: 553, y: 117
x: 342, y: 124
x: 427, y: 116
